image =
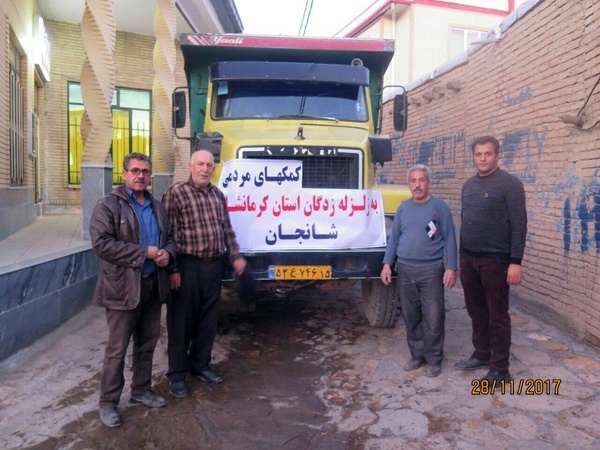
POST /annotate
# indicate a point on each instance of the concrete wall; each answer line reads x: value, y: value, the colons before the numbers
x: 39, y: 297
x: 545, y: 64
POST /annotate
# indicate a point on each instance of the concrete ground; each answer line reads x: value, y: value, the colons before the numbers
x: 308, y: 372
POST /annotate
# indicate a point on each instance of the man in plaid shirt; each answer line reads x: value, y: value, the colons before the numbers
x: 204, y: 237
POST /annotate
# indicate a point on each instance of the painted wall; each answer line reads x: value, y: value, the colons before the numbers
x: 545, y: 65
x: 422, y: 35
x: 431, y: 35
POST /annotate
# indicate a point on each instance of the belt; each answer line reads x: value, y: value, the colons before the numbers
x: 147, y: 276
x: 202, y: 260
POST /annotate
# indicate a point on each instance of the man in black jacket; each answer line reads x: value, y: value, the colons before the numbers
x: 492, y: 242
x: 132, y: 236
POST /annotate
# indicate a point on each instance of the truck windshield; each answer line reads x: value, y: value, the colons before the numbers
x: 285, y: 99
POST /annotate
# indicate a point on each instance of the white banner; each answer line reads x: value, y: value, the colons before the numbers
x: 270, y: 210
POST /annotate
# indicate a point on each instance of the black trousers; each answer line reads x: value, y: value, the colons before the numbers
x: 193, y: 314
x: 486, y: 299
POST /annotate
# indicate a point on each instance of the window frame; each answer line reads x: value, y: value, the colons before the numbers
x: 16, y: 115
x: 465, y: 43
x: 74, y: 169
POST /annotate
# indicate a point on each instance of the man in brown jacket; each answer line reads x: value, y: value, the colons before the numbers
x: 132, y: 236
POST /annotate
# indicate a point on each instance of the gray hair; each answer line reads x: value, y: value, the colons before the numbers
x: 422, y: 167
x: 200, y: 150
x: 139, y: 157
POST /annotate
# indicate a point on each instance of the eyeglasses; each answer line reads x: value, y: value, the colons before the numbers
x: 135, y: 171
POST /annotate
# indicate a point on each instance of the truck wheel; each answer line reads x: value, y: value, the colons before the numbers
x: 381, y: 303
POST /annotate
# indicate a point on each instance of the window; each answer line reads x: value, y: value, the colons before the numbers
x: 131, y: 109
x: 285, y: 99
x: 460, y: 39
x: 17, y: 141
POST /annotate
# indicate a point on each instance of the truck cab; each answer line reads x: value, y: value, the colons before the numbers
x: 313, y: 102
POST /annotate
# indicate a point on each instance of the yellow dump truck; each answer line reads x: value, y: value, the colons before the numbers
x: 293, y: 124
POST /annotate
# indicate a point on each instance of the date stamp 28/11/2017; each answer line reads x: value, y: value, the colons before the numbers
x: 524, y: 386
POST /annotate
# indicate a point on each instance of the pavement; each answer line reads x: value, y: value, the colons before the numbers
x: 46, y: 238
x: 355, y: 393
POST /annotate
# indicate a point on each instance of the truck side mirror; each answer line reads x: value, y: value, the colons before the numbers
x: 211, y: 142
x: 381, y: 148
x: 179, y: 109
x: 400, y: 112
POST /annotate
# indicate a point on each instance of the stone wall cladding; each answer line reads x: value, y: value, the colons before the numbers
x: 545, y: 64
x: 36, y: 299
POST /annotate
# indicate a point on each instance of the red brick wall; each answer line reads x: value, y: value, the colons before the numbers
x: 545, y: 64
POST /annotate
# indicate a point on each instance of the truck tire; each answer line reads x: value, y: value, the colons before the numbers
x: 381, y: 303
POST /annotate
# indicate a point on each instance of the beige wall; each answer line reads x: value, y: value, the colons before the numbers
x: 431, y: 35
x: 133, y: 69
x: 546, y: 64
x: 133, y: 61
x: 16, y: 21
x: 422, y: 36
x: 501, y: 5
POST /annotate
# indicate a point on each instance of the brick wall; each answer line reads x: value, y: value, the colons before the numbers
x: 17, y: 208
x: 545, y: 64
x: 133, y: 69
x: 4, y: 114
x: 182, y: 147
x: 67, y: 57
x: 15, y: 25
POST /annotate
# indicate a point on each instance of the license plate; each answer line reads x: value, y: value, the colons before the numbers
x: 299, y: 272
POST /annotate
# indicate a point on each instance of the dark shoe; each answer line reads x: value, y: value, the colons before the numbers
x: 497, y: 375
x: 413, y: 364
x: 471, y: 364
x: 433, y: 370
x: 208, y: 376
x: 178, y: 389
x: 110, y: 417
x: 149, y: 399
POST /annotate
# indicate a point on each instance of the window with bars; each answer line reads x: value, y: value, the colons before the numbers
x: 131, y: 111
x: 16, y: 118
x: 461, y: 38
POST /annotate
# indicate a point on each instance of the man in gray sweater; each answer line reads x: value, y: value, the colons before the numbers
x: 421, y: 234
x: 492, y: 242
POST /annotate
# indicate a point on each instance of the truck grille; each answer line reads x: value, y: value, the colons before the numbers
x: 340, y: 170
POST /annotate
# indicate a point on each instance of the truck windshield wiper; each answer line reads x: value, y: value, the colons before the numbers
x: 306, y: 116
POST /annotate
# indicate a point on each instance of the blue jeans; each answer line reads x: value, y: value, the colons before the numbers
x: 421, y: 290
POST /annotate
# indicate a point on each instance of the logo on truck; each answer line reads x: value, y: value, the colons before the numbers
x: 215, y: 40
